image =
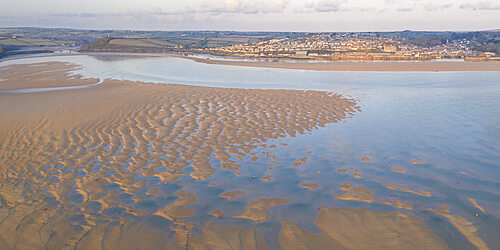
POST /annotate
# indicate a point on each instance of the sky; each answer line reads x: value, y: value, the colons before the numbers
x: 254, y: 15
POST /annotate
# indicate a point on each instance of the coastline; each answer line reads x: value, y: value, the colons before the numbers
x: 367, y: 66
x: 385, y: 66
x: 403, y: 66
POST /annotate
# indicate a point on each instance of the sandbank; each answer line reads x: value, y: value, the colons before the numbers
x: 409, y: 66
x: 403, y: 66
x: 77, y: 153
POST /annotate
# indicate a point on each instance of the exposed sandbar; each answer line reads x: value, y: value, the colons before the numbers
x: 177, y: 208
x: 310, y: 186
x: 232, y: 194
x: 259, y: 211
x: 399, y: 170
x: 359, y: 193
x: 476, y: 205
x: 421, y: 192
x: 40, y: 75
x: 354, y: 192
x: 430, y: 66
x: 364, y: 66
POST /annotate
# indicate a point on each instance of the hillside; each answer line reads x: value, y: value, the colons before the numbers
x: 127, y: 44
x: 175, y: 43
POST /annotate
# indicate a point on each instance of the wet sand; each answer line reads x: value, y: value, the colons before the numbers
x: 40, y: 75
x: 466, y: 227
x: 75, y: 155
x: 82, y: 167
x: 341, y: 230
x: 258, y: 210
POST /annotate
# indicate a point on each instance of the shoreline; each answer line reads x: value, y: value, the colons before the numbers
x: 354, y: 66
x: 384, y: 66
x: 366, y: 66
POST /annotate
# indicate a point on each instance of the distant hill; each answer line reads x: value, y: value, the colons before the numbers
x: 171, y: 43
x: 128, y: 45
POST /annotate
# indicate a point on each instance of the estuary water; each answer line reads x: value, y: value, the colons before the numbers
x: 437, y: 132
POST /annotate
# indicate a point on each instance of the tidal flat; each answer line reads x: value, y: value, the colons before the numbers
x: 119, y: 163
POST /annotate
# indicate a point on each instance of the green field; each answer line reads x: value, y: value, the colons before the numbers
x: 30, y: 42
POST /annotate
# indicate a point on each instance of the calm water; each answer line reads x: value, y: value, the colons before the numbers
x: 405, y: 116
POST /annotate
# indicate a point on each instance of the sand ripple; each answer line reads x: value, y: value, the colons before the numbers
x: 83, y: 163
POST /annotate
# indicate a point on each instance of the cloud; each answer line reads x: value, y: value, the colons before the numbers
x: 405, y: 9
x: 434, y: 7
x: 73, y: 15
x: 243, y: 6
x: 482, y: 5
x: 325, y: 5
x: 359, y: 9
x: 213, y: 7
x: 135, y: 13
x: 333, y: 6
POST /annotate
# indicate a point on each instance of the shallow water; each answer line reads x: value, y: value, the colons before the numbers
x: 448, y: 120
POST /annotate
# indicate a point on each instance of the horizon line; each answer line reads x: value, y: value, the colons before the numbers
x: 249, y: 31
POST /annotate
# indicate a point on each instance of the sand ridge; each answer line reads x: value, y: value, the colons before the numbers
x: 299, y: 162
x: 417, y: 162
x: 178, y: 208
x: 366, y: 159
x: 476, y: 205
x: 232, y: 194
x: 259, y: 210
x: 353, y: 192
x: 421, y: 192
x: 310, y: 186
x: 399, y: 170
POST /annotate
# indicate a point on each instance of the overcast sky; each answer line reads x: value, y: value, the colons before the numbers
x: 254, y: 15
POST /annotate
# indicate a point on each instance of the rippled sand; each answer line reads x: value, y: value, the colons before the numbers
x: 108, y: 167
x: 72, y: 155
